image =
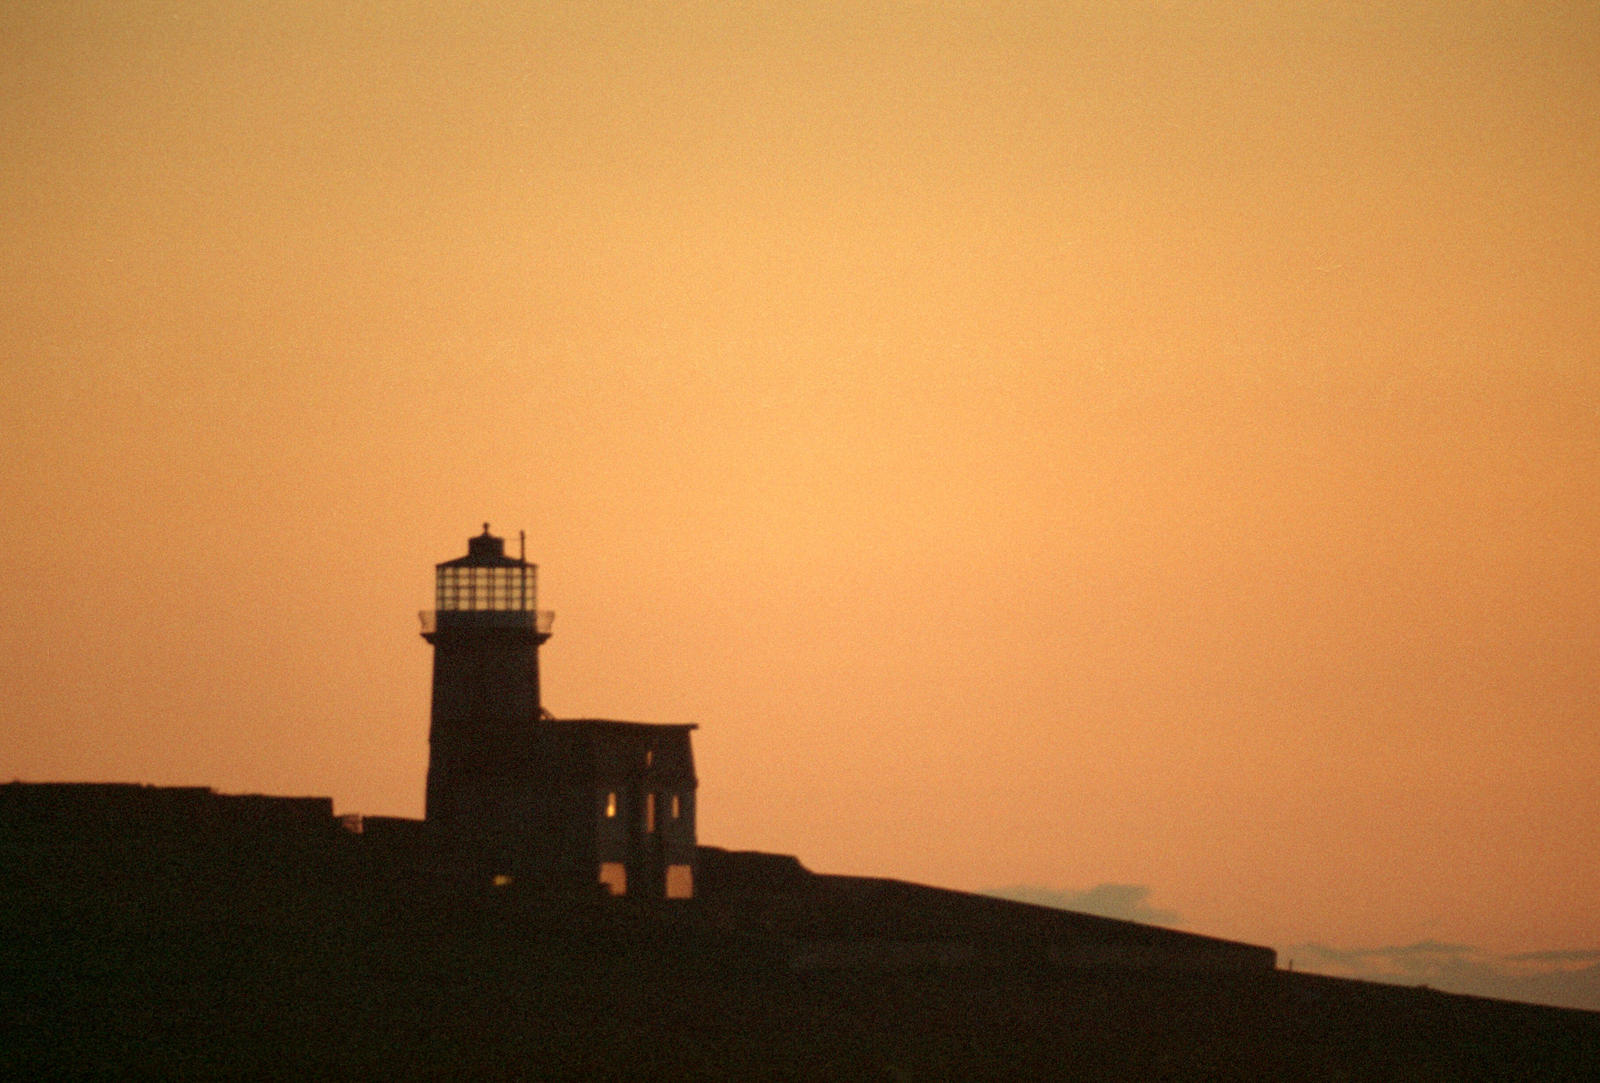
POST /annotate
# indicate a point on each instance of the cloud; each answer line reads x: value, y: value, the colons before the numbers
x: 1568, y: 978
x: 1586, y: 955
x: 1129, y: 902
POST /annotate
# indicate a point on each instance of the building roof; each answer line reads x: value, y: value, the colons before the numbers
x: 614, y: 726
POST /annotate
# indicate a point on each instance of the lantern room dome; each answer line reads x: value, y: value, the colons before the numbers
x: 485, y: 551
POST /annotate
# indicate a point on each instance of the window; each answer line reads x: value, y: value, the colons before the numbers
x: 614, y: 875
x: 497, y: 588
x: 676, y: 810
x: 611, y: 805
x: 680, y: 881
x: 649, y: 812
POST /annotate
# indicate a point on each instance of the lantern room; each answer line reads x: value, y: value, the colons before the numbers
x: 486, y: 588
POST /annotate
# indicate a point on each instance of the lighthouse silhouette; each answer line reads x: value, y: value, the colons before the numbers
x: 486, y: 631
x: 561, y: 803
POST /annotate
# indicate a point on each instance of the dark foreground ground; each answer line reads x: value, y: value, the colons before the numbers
x: 263, y: 977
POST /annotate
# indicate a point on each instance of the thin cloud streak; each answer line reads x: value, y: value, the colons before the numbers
x: 1568, y: 978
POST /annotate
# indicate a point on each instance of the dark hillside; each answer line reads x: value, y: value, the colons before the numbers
x: 319, y: 962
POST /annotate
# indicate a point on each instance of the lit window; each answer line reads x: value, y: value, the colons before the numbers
x: 676, y: 811
x: 501, y: 879
x: 614, y: 875
x: 611, y: 805
x: 649, y: 812
x: 680, y: 881
x: 649, y: 756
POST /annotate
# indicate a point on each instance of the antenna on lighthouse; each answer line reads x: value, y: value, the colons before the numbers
x: 522, y: 546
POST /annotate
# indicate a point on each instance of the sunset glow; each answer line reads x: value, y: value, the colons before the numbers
x: 1039, y: 444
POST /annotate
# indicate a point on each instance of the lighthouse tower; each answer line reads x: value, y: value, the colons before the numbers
x: 486, y: 633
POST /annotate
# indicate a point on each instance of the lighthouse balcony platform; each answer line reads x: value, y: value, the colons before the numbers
x: 537, y: 621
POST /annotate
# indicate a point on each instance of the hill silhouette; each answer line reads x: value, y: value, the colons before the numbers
x: 269, y: 943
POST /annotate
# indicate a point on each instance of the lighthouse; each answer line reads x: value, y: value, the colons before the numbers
x: 486, y: 631
x: 573, y: 804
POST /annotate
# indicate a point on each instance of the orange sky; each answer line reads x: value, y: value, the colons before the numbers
x: 1054, y: 443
